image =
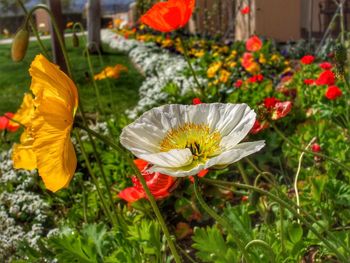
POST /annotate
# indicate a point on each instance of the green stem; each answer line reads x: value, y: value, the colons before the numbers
x: 187, y: 58
x: 94, y: 178
x: 150, y: 197
x: 287, y: 206
x: 219, y: 219
x: 32, y: 25
x: 281, y: 228
x: 335, y: 161
x: 262, y: 244
x: 243, y: 173
x: 256, y: 168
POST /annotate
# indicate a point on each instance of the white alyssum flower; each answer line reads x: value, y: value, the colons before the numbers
x: 182, y: 140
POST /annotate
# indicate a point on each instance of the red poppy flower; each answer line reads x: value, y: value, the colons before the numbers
x: 333, y: 92
x: 200, y: 174
x: 6, y: 123
x: 238, y: 83
x: 253, y: 44
x: 196, y: 101
x: 316, y: 148
x: 169, y: 16
x: 159, y: 184
x: 245, y: 10
x: 270, y: 102
x: 308, y: 59
x: 327, y: 77
x: 256, y: 78
x: 326, y: 66
x: 258, y: 127
x: 281, y: 109
x: 309, y: 81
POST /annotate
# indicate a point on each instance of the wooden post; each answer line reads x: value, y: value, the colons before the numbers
x: 58, y: 58
x: 94, y: 25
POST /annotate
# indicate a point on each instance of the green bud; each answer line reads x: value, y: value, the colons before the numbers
x: 75, y: 40
x: 20, y: 45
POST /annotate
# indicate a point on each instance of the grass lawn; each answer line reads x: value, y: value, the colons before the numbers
x: 15, y: 79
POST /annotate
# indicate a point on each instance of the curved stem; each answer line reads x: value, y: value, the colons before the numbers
x: 150, y: 197
x: 335, y: 161
x: 243, y: 173
x: 287, y: 206
x: 57, y: 31
x: 219, y: 219
x: 253, y: 165
x: 263, y: 244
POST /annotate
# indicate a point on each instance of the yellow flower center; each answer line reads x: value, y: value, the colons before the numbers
x: 202, y: 142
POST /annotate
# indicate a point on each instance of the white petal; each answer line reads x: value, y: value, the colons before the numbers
x: 237, y: 153
x: 180, y: 172
x: 173, y: 158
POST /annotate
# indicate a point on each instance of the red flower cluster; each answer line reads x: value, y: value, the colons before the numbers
x: 169, y: 16
x: 308, y: 59
x: 309, y: 81
x: 327, y: 77
x: 259, y: 126
x: 7, y: 124
x: 159, y: 184
x: 333, y: 92
x: 196, y: 101
x: 326, y: 66
x: 256, y: 78
x: 238, y: 83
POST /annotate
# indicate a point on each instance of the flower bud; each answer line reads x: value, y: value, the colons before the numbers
x: 20, y: 45
x: 75, y: 40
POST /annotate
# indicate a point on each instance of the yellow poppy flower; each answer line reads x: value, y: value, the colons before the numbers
x: 25, y: 113
x: 23, y: 156
x: 56, y: 101
x: 110, y: 72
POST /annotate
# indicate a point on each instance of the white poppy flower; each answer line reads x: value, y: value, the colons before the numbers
x: 182, y: 140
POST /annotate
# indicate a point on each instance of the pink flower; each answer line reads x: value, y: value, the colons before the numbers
x: 333, y: 92
x: 308, y: 59
x: 281, y: 109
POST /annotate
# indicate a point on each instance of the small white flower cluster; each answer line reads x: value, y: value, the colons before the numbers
x: 23, y: 213
x: 160, y: 68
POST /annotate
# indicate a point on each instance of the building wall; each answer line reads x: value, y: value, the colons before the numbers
x: 278, y: 19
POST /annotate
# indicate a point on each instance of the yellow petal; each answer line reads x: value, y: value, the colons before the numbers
x: 56, y: 159
x: 23, y: 156
x: 25, y: 113
x: 49, y: 81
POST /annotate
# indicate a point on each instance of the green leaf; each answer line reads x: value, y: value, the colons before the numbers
x: 295, y: 232
x: 211, y: 246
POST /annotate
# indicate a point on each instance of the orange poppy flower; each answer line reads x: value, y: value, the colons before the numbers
x: 254, y: 44
x: 169, y: 16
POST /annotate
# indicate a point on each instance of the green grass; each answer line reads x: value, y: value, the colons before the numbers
x: 15, y: 80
